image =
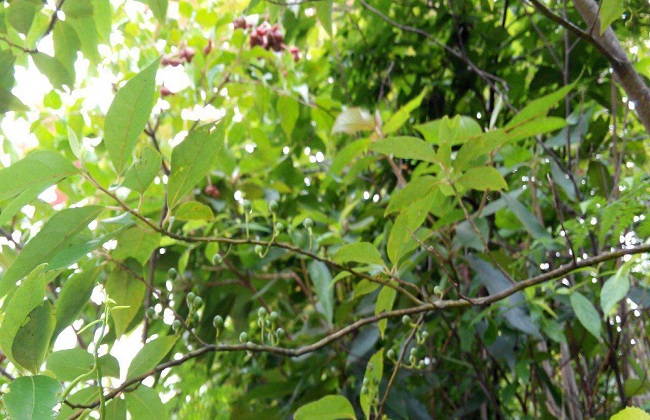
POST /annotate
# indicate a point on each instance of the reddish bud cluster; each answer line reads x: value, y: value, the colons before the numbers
x: 185, y: 55
x: 212, y: 191
x: 164, y: 91
x: 266, y: 36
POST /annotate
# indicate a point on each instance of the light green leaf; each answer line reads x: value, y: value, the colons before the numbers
x: 66, y: 45
x: 385, y: 302
x: 43, y: 168
x: 69, y: 364
x: 110, y: 366
x: 55, y: 237
x: 353, y: 120
x: 364, y: 287
x: 77, y: 148
x: 29, y: 295
x: 128, y: 114
x: 32, y: 339
x: 610, y: 10
x: 142, y: 173
x: 102, y: 17
x: 192, y: 159
x: 158, y: 8
x: 21, y: 15
x: 614, y: 290
x: 330, y: 407
x: 321, y: 277
x: 374, y: 372
x: 324, y: 15
x: 150, y: 355
x: 289, y: 112
x: 32, y: 397
x: 539, y: 107
x: 406, y: 148
x: 361, y: 252
x: 468, y: 127
x: 77, y: 8
x: 74, y: 294
x: 116, y: 409
x: 483, y: 178
x: 54, y: 70
x: 399, y: 235
x: 125, y: 290
x: 87, y: 33
x: 137, y: 243
x: 397, y: 120
x: 144, y: 403
x: 586, y: 313
x: 631, y: 413
x: 193, y: 210
x: 415, y: 190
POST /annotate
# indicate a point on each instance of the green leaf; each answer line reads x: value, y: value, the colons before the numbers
x: 74, y: 295
x: 193, y: 210
x: 77, y: 148
x: 57, y: 234
x: 406, y: 148
x: 353, y: 120
x: 289, y: 112
x: 415, y: 190
x: 397, y: 120
x: 483, y: 178
x: 158, y: 8
x: 29, y: 295
x: 539, y: 107
x: 399, y: 235
x: 614, y: 290
x: 142, y: 173
x: 32, y: 397
x: 21, y: 15
x: 631, y: 413
x: 116, y: 409
x: 324, y: 15
x: 374, y: 372
x: 330, y: 407
x: 586, y: 313
x: 192, y: 159
x: 385, y: 302
x: 32, y: 339
x: 150, y: 355
x: 467, y: 128
x: 125, y: 290
x: 7, y: 61
x: 43, y: 168
x: 610, y: 10
x: 69, y: 364
x: 532, y: 224
x: 102, y: 17
x: 110, y: 366
x: 138, y: 243
x: 54, y: 70
x: 321, y: 277
x: 87, y: 32
x: 144, y: 403
x: 77, y: 8
x: 66, y: 45
x: 128, y: 115
x: 361, y: 252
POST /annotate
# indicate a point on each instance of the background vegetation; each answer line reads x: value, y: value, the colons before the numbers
x: 324, y: 209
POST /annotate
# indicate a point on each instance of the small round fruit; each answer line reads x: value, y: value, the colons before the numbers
x: 177, y: 325
x: 198, y: 302
x: 308, y: 223
x: 172, y: 273
x: 273, y: 316
x: 273, y: 206
x: 243, y: 337
x: 261, y: 312
x: 406, y: 320
x: 217, y: 321
x: 279, y: 333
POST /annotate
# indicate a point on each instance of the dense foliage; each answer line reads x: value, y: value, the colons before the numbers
x: 323, y: 209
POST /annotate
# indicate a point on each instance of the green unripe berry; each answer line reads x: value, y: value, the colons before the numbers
x: 279, y: 227
x: 248, y: 207
x: 176, y: 325
x: 190, y: 298
x: 421, y: 364
x: 308, y: 223
x: 267, y: 323
x: 217, y: 321
x: 198, y: 302
x: 279, y: 333
x: 365, y: 390
x: 390, y: 354
x: 414, y: 351
x: 406, y: 320
x: 273, y: 206
x: 172, y: 273
x: 259, y: 249
x: 261, y: 312
x: 274, y: 316
x: 243, y: 337
x: 217, y: 259
x: 412, y: 359
x: 425, y: 335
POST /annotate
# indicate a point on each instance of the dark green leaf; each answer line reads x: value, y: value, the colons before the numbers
x: 144, y: 403
x: 32, y: 339
x: 614, y: 290
x: 322, y: 279
x: 32, y: 397
x: 142, y: 173
x: 586, y: 313
x: 150, y: 355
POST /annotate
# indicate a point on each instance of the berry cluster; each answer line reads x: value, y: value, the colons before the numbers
x: 185, y: 54
x: 266, y: 36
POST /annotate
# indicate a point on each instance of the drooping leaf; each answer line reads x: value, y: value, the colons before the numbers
x: 399, y: 235
x: 610, y: 10
x: 54, y: 70
x: 158, y: 8
x: 128, y: 115
x: 539, y: 107
x: 116, y: 409
x: 586, y: 313
x: 483, y: 178
x: 406, y: 148
x: 20, y: 15
x: 32, y: 397
x: 32, y: 339
x: 322, y: 279
x: 144, y: 403
x: 125, y: 290
x: 385, y: 302
x: 193, y: 210
x: 614, y: 290
x: 77, y: 8
x: 192, y: 159
x: 137, y: 242
x: 374, y: 372
x: 57, y: 234
x: 74, y: 295
x: 398, y: 119
x: 289, y: 112
x: 467, y: 128
x: 353, y: 120
x: 530, y: 222
x: 150, y: 355
x: 70, y: 364
x: 142, y: 173
x: 361, y: 252
x: 324, y: 15
x: 330, y: 407
x: 414, y: 190
x: 631, y: 413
